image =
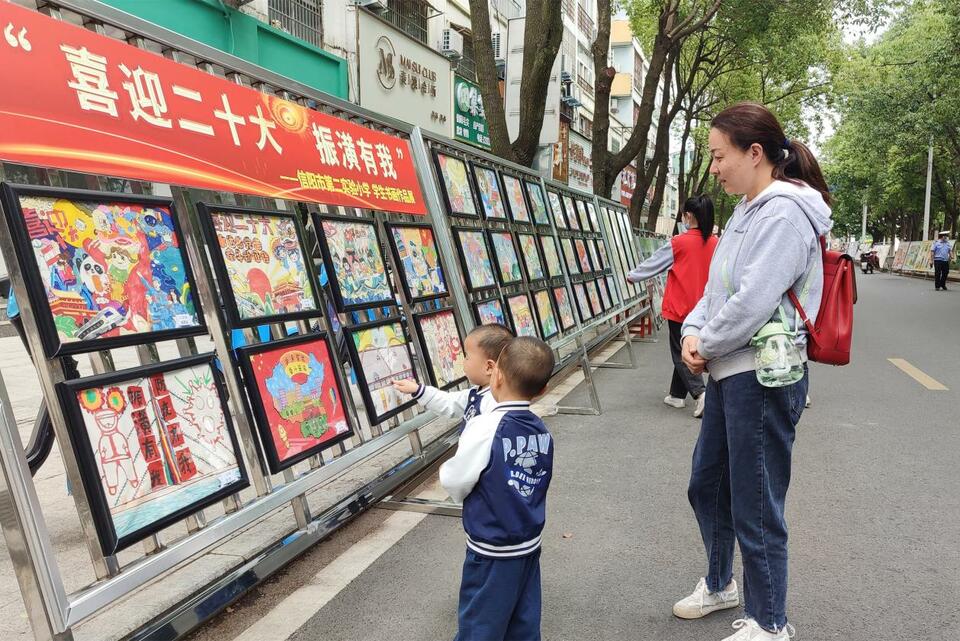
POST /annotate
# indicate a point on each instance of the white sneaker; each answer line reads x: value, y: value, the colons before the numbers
x: 673, y: 401
x: 698, y: 411
x: 808, y: 403
x: 702, y: 602
x: 750, y: 630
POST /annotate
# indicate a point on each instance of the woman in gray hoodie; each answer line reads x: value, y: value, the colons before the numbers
x: 741, y: 464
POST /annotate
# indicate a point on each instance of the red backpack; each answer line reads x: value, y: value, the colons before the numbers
x: 831, y: 336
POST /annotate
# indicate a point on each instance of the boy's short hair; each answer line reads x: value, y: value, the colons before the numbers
x: 527, y: 364
x: 491, y: 339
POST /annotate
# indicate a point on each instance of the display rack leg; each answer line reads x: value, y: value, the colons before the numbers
x: 301, y: 509
x: 594, y: 409
x: 614, y: 365
x: 400, y: 501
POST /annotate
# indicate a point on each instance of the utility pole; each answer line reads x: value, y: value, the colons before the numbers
x: 926, y: 201
x: 863, y: 224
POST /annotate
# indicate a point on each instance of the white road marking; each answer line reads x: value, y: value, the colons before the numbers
x: 290, y: 614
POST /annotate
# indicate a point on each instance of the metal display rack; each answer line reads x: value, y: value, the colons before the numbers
x: 52, y: 611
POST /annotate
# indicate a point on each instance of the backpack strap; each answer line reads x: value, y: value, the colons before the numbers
x: 811, y: 330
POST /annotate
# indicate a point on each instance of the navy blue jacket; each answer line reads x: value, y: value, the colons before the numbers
x: 501, y: 472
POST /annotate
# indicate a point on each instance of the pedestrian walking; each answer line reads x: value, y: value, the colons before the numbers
x: 742, y: 460
x: 686, y: 259
x: 942, y: 254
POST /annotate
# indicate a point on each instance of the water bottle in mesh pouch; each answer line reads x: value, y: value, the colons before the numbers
x: 778, y: 359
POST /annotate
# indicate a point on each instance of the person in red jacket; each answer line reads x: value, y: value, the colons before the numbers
x: 687, y: 257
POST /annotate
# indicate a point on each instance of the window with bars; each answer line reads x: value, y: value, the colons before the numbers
x: 409, y: 16
x: 467, y: 65
x: 300, y: 18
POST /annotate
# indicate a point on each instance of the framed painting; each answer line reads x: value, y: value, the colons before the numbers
x: 612, y: 290
x: 264, y: 272
x: 583, y: 305
x: 474, y: 258
x: 551, y: 256
x: 103, y: 270
x: 415, y: 250
x: 490, y: 311
x: 570, y: 211
x: 355, y: 267
x: 582, y: 256
x: 530, y: 251
x: 545, y: 314
x: 154, y: 444
x: 442, y: 347
x: 601, y: 248
x: 593, y: 294
x: 380, y: 353
x: 490, y: 192
x: 604, y: 294
x: 538, y: 203
x: 455, y: 185
x: 296, y: 394
x: 556, y: 208
x: 592, y: 215
x: 561, y: 297
x: 521, y: 315
x: 516, y: 202
x: 570, y: 256
x: 505, y: 253
x: 582, y: 215
x: 594, y: 256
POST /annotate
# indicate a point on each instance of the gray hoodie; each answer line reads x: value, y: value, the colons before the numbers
x: 769, y: 245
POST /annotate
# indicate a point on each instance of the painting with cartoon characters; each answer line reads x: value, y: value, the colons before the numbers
x: 296, y: 396
x: 155, y: 444
x: 381, y: 355
x: 561, y: 296
x: 537, y: 202
x: 508, y: 264
x: 551, y: 256
x: 556, y: 208
x: 443, y: 347
x: 102, y: 273
x: 548, y: 320
x: 457, y: 192
x: 522, y: 315
x: 491, y: 197
x: 262, y: 263
x: 515, y: 199
x: 351, y: 253
x: 415, y: 249
x: 531, y: 256
x: 475, y: 259
x: 491, y: 311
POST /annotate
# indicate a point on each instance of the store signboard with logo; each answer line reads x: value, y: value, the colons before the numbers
x: 469, y: 119
x: 581, y: 164
x: 561, y: 153
x: 402, y: 78
x: 628, y: 181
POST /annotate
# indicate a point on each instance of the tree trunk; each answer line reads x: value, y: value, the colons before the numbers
x: 646, y: 177
x: 488, y: 81
x: 682, y: 169
x: 659, y: 190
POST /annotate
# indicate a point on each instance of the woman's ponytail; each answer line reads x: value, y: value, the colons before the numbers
x: 799, y: 163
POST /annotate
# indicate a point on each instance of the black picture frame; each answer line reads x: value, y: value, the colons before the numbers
x: 256, y: 401
x: 498, y: 301
x: 333, y: 279
x: 49, y: 338
x: 427, y: 360
x: 570, y: 211
x: 539, y: 316
x: 591, y: 244
x: 570, y: 258
x: 401, y: 268
x: 441, y: 180
x: 605, y: 299
x: 585, y: 315
x: 550, y: 238
x: 363, y: 386
x: 205, y: 212
x: 513, y: 321
x: 556, y: 306
x: 465, y: 267
x: 496, y: 255
x: 582, y: 215
x: 526, y: 264
x: 595, y: 305
x: 504, y: 176
x: 475, y: 168
x: 110, y: 542
x: 587, y: 268
x: 556, y: 209
x: 529, y: 187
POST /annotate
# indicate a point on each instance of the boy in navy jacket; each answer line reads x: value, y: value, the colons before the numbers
x: 501, y: 472
x: 481, y: 349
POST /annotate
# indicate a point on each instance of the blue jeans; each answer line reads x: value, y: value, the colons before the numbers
x: 499, y: 599
x: 738, y: 486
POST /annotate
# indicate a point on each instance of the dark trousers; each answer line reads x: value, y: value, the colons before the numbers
x: 683, y: 380
x: 940, y: 270
x: 738, y: 487
x: 499, y: 599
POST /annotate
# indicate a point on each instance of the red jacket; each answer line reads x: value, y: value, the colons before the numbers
x: 688, y: 276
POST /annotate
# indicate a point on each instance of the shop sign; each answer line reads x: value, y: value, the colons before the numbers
x: 470, y: 121
x: 106, y: 107
x: 561, y: 154
x: 402, y: 78
x: 581, y: 164
x: 628, y: 181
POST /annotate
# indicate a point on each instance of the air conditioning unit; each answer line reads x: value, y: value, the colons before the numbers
x: 451, y: 43
x: 373, y: 5
x: 566, y: 78
x: 497, y: 43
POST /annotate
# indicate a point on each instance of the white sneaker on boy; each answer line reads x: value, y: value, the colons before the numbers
x: 750, y: 630
x: 702, y: 602
x: 673, y: 401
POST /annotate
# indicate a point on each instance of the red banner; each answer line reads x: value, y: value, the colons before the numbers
x: 76, y: 100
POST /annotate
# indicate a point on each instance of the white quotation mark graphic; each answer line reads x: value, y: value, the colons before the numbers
x: 19, y: 40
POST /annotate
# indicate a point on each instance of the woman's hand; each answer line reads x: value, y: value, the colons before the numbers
x: 691, y: 358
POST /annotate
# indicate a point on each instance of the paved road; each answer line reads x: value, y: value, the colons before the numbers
x: 874, y: 509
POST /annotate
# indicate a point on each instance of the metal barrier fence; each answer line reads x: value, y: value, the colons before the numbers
x: 603, y: 234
